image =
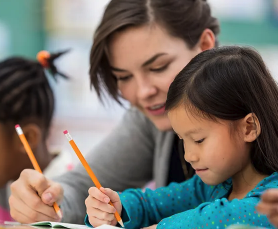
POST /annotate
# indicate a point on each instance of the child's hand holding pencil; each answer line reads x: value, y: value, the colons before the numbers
x: 98, y: 208
x: 112, y: 197
x: 37, y: 168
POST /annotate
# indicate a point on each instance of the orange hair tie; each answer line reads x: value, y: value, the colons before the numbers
x: 43, y: 57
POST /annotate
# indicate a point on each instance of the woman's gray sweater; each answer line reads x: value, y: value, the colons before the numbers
x: 132, y: 155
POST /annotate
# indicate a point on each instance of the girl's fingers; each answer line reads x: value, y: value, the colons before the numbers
x: 26, y: 214
x: 114, y: 196
x: 91, y: 203
x: 273, y: 218
x: 95, y: 222
x: 267, y: 209
x: 97, y: 194
x: 270, y: 196
x: 101, y: 215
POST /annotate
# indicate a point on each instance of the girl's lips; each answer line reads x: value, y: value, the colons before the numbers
x: 198, y: 171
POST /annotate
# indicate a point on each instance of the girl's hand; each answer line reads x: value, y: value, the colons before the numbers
x: 151, y: 227
x: 98, y: 208
x: 32, y: 197
x: 269, y: 205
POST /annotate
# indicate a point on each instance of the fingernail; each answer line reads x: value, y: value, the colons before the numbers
x: 106, y: 200
x: 48, y: 197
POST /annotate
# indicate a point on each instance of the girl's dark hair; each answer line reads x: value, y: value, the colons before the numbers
x: 25, y: 93
x: 228, y: 83
x: 186, y: 19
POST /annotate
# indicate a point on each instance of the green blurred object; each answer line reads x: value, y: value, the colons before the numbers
x: 24, y: 20
x: 248, y: 33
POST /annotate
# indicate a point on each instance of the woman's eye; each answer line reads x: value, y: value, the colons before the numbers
x: 123, y: 78
x: 200, y: 141
x: 159, y: 69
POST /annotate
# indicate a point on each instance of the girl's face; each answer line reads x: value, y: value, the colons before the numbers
x: 214, y: 149
x: 145, y: 60
x: 8, y: 161
x: 13, y: 157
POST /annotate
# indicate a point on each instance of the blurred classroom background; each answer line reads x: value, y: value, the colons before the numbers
x: 29, y: 26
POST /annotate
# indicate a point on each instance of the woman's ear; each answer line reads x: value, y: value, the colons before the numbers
x: 251, y: 127
x: 33, y: 134
x: 207, y: 40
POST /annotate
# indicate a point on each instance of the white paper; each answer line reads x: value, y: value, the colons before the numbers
x: 60, y: 225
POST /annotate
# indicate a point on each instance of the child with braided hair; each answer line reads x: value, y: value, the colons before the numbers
x: 25, y: 98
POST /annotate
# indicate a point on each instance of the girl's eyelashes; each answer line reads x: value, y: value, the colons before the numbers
x: 159, y: 69
x: 199, y: 141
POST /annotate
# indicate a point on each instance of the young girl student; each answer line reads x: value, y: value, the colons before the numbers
x: 223, y: 105
x: 26, y: 98
x: 138, y: 49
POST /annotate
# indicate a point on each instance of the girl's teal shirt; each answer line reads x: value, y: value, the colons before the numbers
x: 193, y: 204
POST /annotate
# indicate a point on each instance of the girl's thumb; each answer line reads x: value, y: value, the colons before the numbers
x: 54, y: 193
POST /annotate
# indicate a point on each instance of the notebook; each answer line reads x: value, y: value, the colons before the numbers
x: 60, y: 225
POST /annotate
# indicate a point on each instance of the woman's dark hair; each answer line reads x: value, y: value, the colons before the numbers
x: 25, y: 93
x: 228, y: 83
x: 186, y: 19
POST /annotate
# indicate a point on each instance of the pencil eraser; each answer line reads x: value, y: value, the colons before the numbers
x: 16, y: 126
x: 65, y: 132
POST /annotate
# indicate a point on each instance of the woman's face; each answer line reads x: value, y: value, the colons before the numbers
x: 145, y: 61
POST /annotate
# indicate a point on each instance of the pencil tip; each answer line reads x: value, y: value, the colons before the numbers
x: 65, y: 132
x: 16, y: 126
x: 121, y: 223
x: 59, y: 213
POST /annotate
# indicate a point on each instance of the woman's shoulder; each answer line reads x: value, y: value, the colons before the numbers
x: 135, y: 121
x: 133, y: 116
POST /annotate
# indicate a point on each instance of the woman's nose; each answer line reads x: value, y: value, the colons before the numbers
x: 145, y: 89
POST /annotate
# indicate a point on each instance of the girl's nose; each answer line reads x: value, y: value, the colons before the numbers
x: 190, y: 157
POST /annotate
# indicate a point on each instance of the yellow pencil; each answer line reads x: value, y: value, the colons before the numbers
x: 34, y: 161
x: 89, y: 171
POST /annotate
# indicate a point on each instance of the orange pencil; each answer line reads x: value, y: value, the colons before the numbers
x: 89, y: 170
x: 34, y: 161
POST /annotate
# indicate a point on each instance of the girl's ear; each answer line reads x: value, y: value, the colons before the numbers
x: 251, y: 127
x: 33, y: 136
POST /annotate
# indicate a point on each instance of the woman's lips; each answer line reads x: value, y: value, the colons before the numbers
x: 158, y: 109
